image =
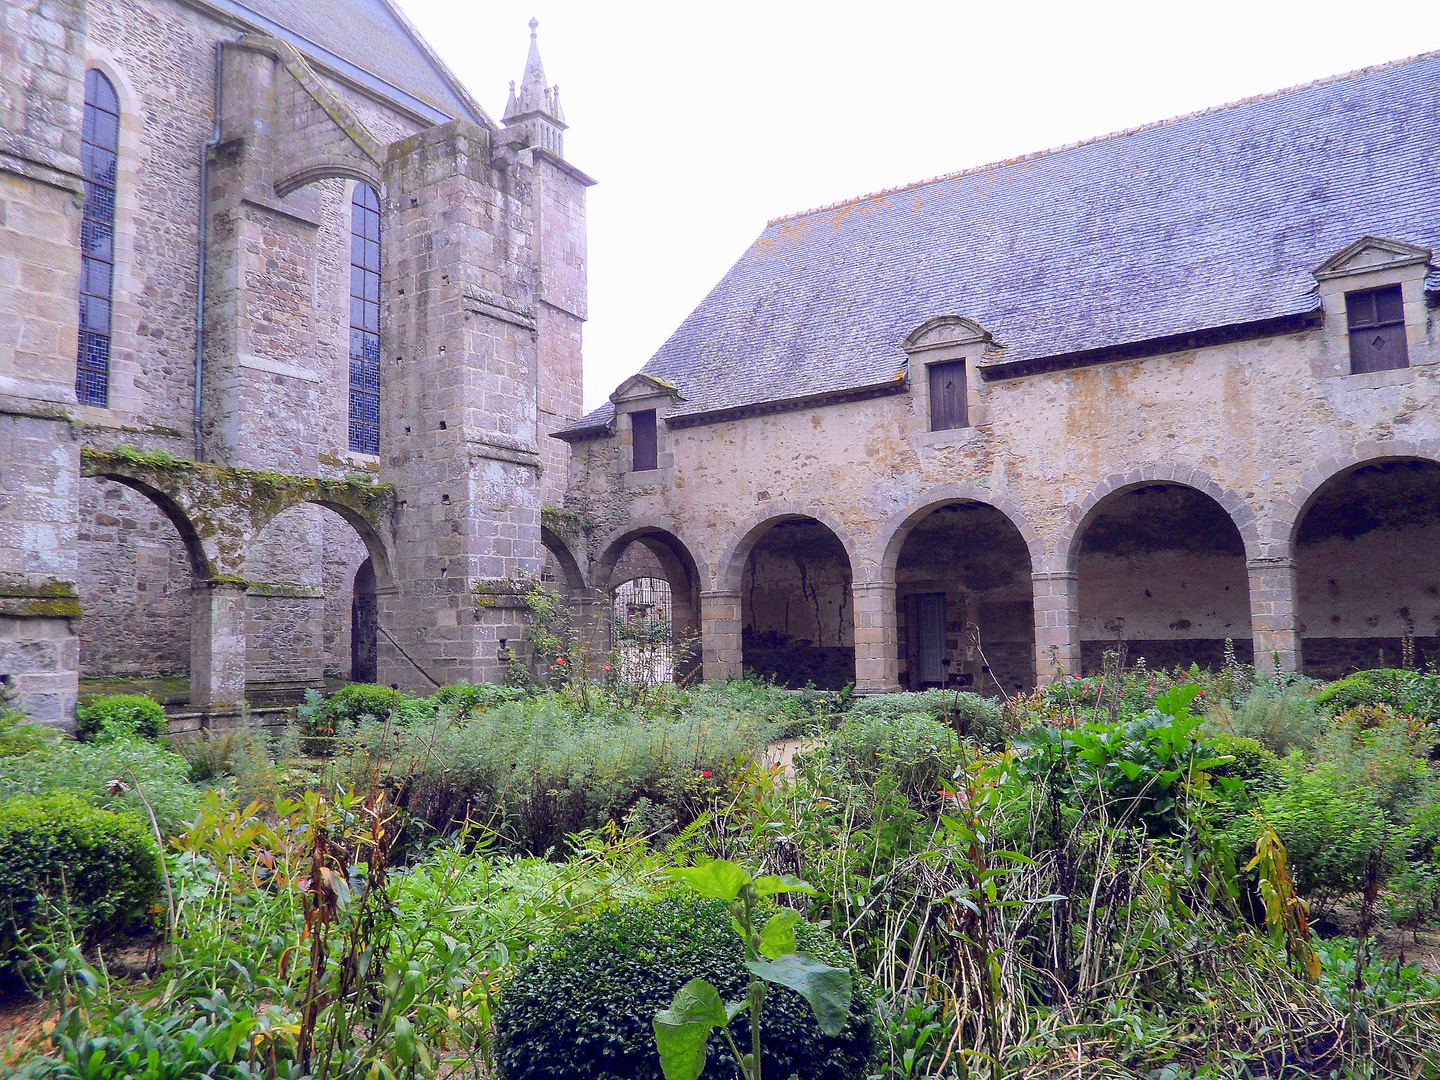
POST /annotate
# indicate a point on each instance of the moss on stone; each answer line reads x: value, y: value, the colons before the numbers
x: 562, y: 522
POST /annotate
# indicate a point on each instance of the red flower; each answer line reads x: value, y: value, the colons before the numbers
x: 559, y: 659
x: 607, y: 667
x: 706, y: 774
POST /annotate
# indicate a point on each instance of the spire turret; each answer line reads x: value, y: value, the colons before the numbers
x: 536, y: 107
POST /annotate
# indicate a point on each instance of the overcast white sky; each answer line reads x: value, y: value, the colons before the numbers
x: 703, y: 121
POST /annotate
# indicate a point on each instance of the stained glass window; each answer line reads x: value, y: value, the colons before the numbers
x: 365, y: 320
x: 99, y: 145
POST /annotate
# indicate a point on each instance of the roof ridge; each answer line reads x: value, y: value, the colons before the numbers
x: 1122, y: 133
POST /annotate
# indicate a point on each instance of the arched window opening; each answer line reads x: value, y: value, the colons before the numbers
x: 365, y: 320
x: 1367, y: 568
x: 99, y: 149
x: 963, y: 600
x: 1162, y: 576
x: 643, y: 618
x: 797, y: 608
x: 364, y: 623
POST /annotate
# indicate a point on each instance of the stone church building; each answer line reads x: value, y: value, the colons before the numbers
x: 290, y: 343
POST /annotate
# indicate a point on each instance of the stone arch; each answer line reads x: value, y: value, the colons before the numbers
x: 201, y: 558
x: 675, y: 563
x: 326, y: 168
x: 730, y: 573
x: 1365, y: 546
x: 793, y: 575
x: 1286, y: 514
x: 958, y: 569
x: 893, y: 533
x: 1160, y: 560
x: 565, y: 558
x: 658, y: 531
x: 361, y: 519
x: 1084, y: 511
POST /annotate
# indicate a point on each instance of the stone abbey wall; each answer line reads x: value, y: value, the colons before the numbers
x: 1164, y: 492
x: 243, y: 572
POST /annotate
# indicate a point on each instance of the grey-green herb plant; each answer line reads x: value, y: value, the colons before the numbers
x: 682, y: 1030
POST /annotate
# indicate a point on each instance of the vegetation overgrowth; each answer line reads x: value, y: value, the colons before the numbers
x: 1137, y: 873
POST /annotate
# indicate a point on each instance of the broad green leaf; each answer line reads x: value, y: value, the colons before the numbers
x: 771, y: 884
x: 827, y: 989
x: 682, y: 1029
x: 778, y: 937
x: 720, y: 879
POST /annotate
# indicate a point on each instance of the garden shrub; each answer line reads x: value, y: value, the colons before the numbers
x: 1257, y: 766
x: 101, y: 868
x: 1282, y: 719
x: 978, y: 719
x: 17, y: 736
x: 466, y: 699
x: 582, y: 1007
x: 917, y: 753
x: 120, y: 716
x: 106, y: 774
x: 534, y: 772
x: 1414, y: 693
x: 1328, y: 826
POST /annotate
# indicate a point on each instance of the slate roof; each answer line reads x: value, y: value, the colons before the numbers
x: 1204, y: 221
x: 375, y: 37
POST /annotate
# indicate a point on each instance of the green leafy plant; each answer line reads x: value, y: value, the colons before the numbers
x: 582, y: 1006
x: 120, y: 716
x: 771, y: 956
x: 99, y: 869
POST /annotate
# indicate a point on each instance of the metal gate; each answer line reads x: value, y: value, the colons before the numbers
x: 640, y: 631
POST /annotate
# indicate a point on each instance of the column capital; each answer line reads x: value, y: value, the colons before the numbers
x: 721, y: 594
x: 871, y: 586
x: 1055, y: 575
x: 1271, y: 562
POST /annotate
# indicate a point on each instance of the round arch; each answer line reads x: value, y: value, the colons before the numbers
x: 661, y: 537
x: 329, y: 168
x: 1366, y: 548
x: 731, y: 571
x: 1287, y: 514
x: 375, y: 544
x: 200, y: 559
x: 1161, y: 562
x: 896, y: 530
x: 564, y: 557
x: 960, y: 570
x: 1239, y: 512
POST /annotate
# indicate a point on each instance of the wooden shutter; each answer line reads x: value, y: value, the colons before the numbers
x: 643, y: 448
x: 1377, y: 330
x: 947, y: 396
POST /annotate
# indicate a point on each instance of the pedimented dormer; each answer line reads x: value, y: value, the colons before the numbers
x: 642, y: 387
x: 1372, y: 254
x: 641, y: 402
x: 945, y: 355
x: 1376, y: 319
x: 945, y: 331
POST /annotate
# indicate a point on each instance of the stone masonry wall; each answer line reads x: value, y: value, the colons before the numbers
x: 1256, y: 425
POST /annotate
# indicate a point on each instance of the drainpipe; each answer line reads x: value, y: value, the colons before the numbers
x: 204, y: 230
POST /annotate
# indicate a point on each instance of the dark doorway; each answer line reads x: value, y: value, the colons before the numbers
x: 364, y: 626
x: 928, y: 642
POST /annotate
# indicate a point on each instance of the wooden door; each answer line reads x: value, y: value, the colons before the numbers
x: 930, y: 639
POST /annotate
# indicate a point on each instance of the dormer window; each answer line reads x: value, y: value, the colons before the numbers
x: 1377, y: 330
x: 644, y: 448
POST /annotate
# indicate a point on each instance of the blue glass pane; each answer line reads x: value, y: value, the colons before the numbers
x: 372, y: 351
x: 97, y: 239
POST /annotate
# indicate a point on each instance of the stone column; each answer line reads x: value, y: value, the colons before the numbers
x: 1273, y: 615
x: 877, y: 656
x: 1057, y: 625
x: 720, y: 647
x: 217, y: 643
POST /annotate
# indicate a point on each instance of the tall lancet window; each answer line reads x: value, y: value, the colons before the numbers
x: 99, y: 145
x: 365, y: 320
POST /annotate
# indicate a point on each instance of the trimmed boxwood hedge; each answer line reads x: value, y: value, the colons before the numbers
x: 115, y: 715
x: 582, y: 1007
x: 58, y: 850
